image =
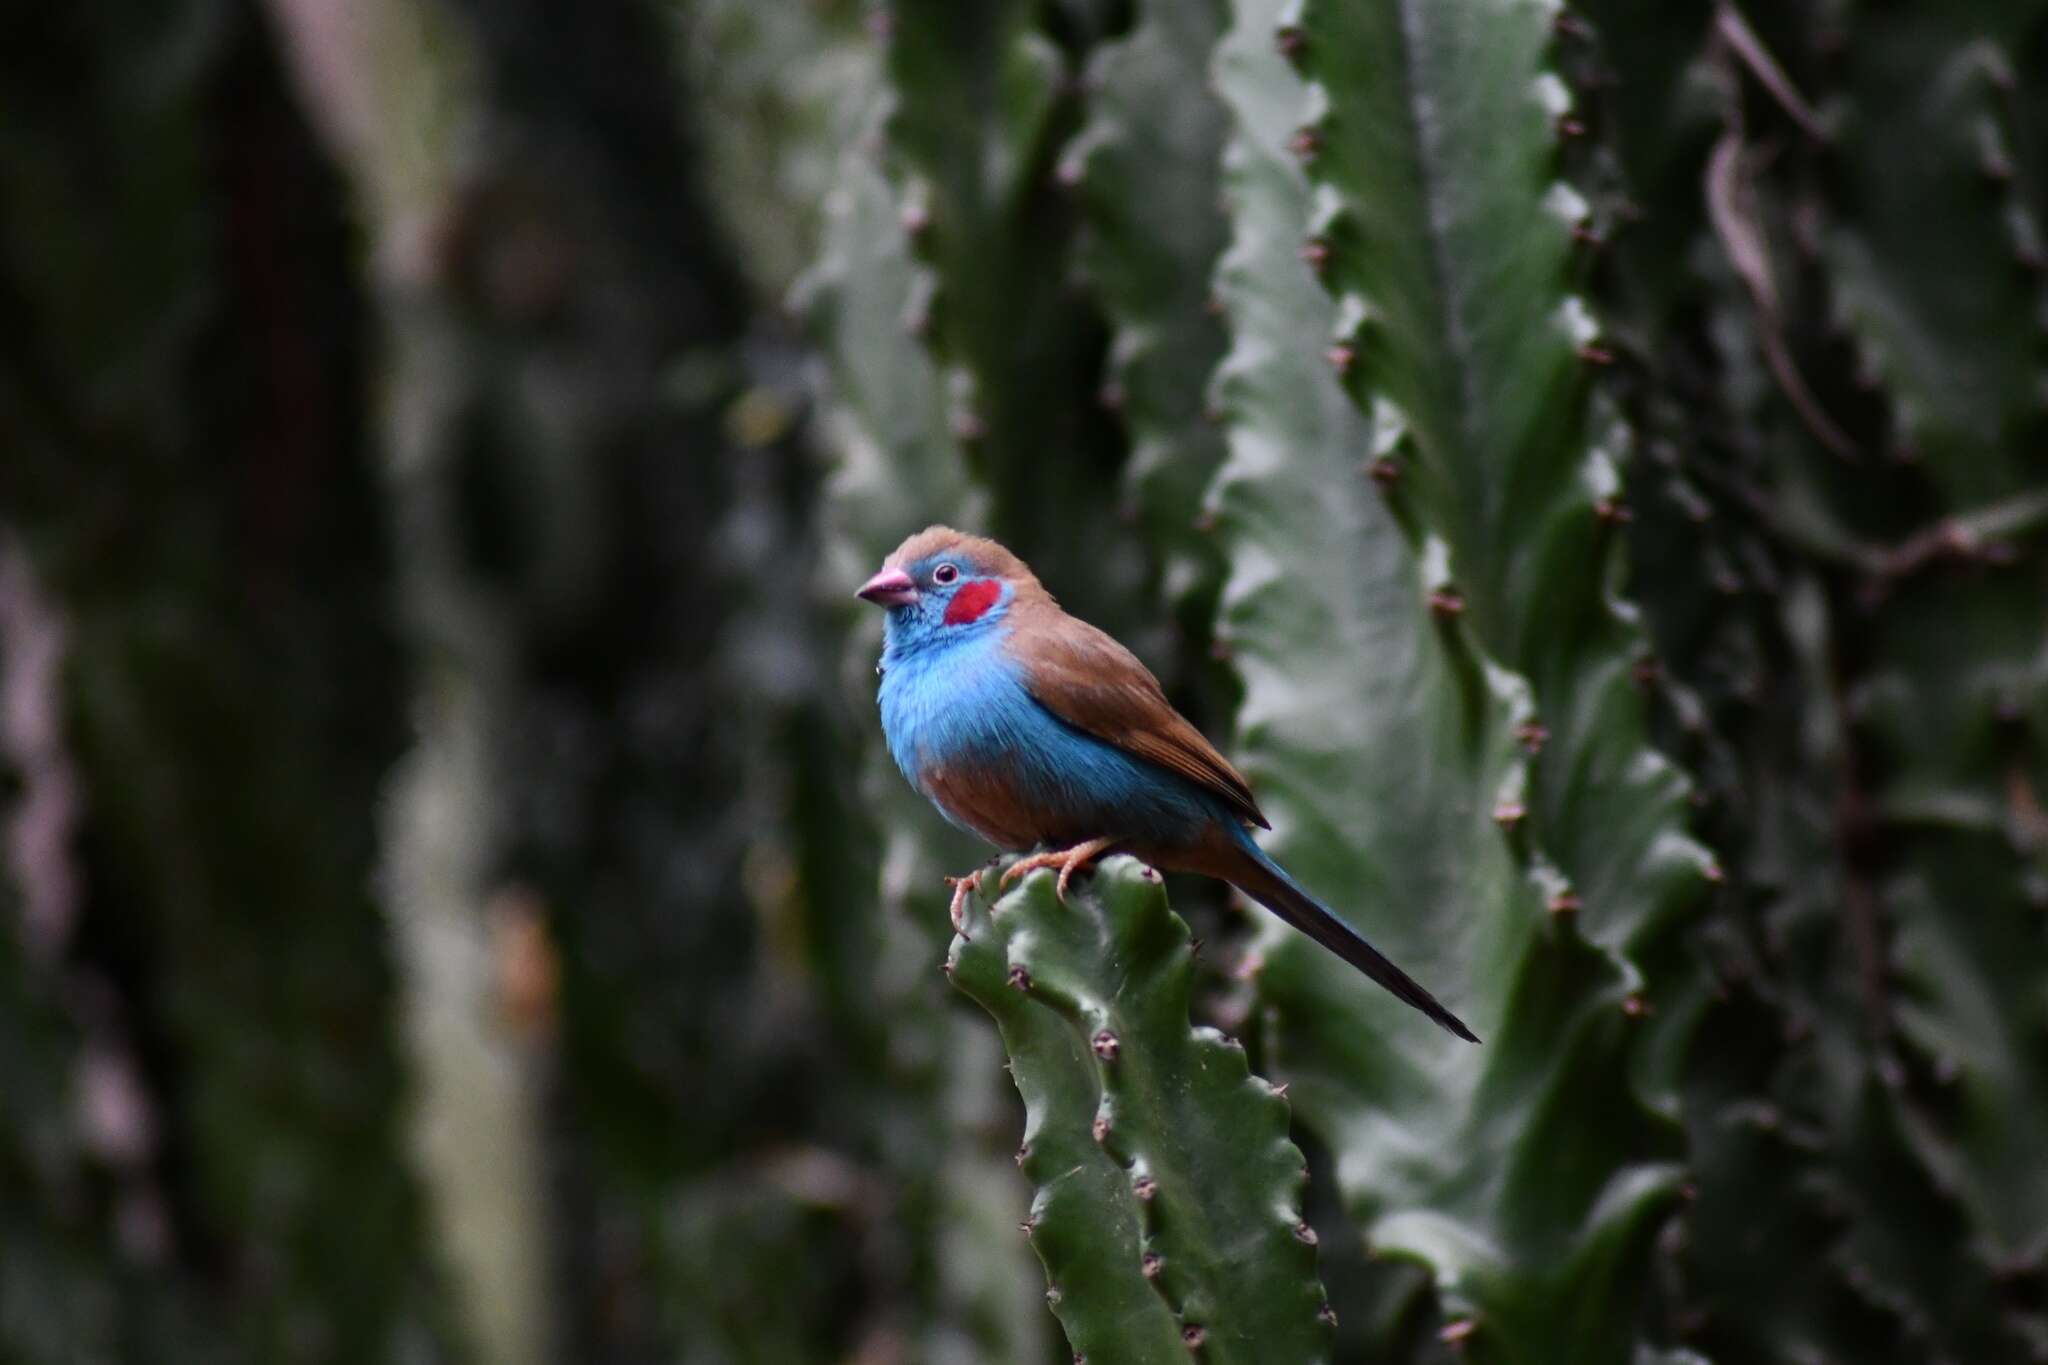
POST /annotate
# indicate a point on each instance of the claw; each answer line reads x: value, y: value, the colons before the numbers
x: 1067, y: 860
x: 963, y: 887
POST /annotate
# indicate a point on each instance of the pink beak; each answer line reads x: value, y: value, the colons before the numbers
x: 889, y: 588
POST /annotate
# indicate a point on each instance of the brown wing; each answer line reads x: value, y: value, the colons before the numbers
x: 1094, y: 684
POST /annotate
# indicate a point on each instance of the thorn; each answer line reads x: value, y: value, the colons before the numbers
x: 1596, y: 355
x: 1150, y: 874
x: 1144, y: 1187
x: 946, y: 964
x: 1020, y: 979
x: 1280, y: 1090
x: 1111, y: 396
x: 1205, y: 521
x: 1711, y: 870
x: 1106, y: 1045
x: 1023, y: 1154
x: 1455, y: 1332
x: 1305, y: 143
x: 1635, y: 1007
x: 1508, y: 814
x: 881, y: 24
x: 1565, y: 902
x: 1327, y: 1315
x: 1446, y: 602
x: 1070, y: 172
x: 915, y: 219
x: 1531, y: 736
x: 1194, y: 947
x: 1231, y: 1041
x: 1193, y: 1335
x: 1149, y: 1264
x: 1100, y: 1128
x: 1315, y: 252
x: 1028, y: 1226
x: 1567, y: 25
x: 1341, y: 358
x: 1613, y: 511
x: 1569, y: 127
x: 1213, y: 306
x: 1646, y: 671
x: 968, y: 426
x: 1305, y: 1234
x: 1385, y: 471
x: 1052, y: 1296
x: 1584, y: 234
x: 1219, y: 650
x: 1291, y: 41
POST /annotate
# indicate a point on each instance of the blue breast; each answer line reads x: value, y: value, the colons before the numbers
x: 964, y: 702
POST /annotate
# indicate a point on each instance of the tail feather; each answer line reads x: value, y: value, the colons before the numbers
x: 1266, y: 882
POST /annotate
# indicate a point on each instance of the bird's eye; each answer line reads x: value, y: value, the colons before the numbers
x: 945, y: 573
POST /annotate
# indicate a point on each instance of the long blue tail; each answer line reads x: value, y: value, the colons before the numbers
x: 1266, y: 882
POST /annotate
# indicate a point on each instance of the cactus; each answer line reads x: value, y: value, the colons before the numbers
x: 205, y: 1125
x: 1145, y: 166
x: 1167, y: 1204
x: 1416, y: 794
x: 898, y: 465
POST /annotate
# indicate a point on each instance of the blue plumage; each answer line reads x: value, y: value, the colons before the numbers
x: 955, y: 697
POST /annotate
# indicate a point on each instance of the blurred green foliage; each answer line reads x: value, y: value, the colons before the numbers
x: 455, y: 903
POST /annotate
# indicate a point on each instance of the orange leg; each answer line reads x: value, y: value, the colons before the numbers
x: 963, y: 887
x: 1067, y: 860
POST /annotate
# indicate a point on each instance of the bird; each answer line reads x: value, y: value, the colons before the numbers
x: 1034, y: 730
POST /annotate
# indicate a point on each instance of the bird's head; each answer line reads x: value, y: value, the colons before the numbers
x: 941, y: 582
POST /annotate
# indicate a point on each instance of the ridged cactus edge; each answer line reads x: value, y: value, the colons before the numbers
x: 1166, y: 1200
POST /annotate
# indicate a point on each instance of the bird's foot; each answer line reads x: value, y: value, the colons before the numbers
x: 963, y: 887
x: 1067, y: 860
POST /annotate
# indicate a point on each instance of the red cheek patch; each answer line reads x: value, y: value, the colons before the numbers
x: 972, y: 602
